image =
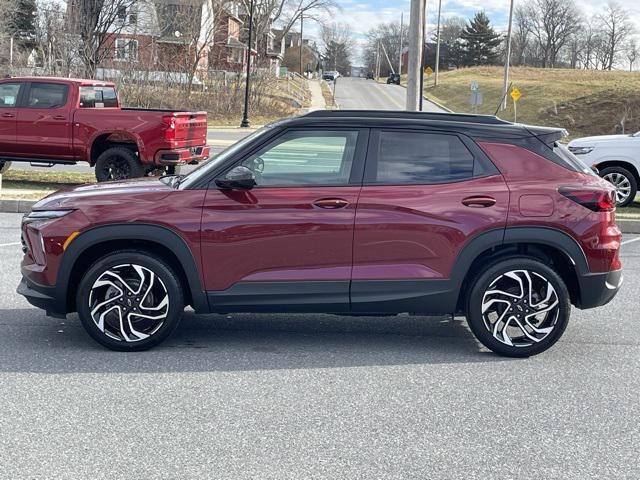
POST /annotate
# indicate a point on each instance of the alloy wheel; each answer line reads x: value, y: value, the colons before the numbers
x: 116, y: 168
x: 622, y: 184
x: 520, y: 308
x: 129, y: 303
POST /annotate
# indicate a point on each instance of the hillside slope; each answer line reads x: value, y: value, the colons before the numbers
x: 582, y: 101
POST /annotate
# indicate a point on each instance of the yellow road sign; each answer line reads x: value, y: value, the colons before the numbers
x: 428, y: 71
x: 516, y: 94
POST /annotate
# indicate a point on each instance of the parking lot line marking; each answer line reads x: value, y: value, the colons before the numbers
x: 631, y: 241
x: 9, y: 244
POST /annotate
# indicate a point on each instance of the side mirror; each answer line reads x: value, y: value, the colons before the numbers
x: 238, y: 178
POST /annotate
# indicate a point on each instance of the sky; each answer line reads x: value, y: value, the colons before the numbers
x: 364, y: 15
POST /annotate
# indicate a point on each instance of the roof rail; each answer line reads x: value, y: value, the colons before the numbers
x: 444, y: 116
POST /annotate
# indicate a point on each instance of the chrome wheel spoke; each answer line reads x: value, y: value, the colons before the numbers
x: 129, y: 303
x: 520, y: 308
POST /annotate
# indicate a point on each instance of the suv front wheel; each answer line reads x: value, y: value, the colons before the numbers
x: 518, y: 307
x: 129, y: 301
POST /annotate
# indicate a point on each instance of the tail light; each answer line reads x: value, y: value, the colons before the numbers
x: 596, y: 200
x: 170, y: 130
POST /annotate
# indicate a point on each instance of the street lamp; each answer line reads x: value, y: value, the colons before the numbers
x: 245, y: 117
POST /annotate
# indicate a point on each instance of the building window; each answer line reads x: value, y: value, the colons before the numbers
x: 126, y: 50
x: 121, y: 14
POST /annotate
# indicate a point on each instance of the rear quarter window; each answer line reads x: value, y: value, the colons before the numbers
x: 98, y: 97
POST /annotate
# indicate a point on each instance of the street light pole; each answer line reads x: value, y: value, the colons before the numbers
x: 416, y: 27
x: 401, y: 41
x: 507, y: 59
x: 245, y: 118
x: 424, y: 51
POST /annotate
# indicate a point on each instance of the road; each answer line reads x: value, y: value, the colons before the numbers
x: 351, y: 93
x: 361, y: 94
x: 317, y: 396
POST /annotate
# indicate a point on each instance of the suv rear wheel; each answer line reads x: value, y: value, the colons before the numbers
x: 129, y: 301
x: 118, y: 163
x: 518, y: 307
x: 625, y: 183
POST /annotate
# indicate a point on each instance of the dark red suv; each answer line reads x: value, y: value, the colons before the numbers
x: 351, y: 212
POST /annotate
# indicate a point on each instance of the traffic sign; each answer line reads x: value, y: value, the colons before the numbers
x: 428, y: 71
x: 516, y: 94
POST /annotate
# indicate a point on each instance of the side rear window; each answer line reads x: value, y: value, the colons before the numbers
x: 420, y: 158
x: 9, y: 94
x: 98, y: 97
x: 47, y: 95
x: 555, y: 152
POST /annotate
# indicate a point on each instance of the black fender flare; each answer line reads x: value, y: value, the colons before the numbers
x: 157, y: 234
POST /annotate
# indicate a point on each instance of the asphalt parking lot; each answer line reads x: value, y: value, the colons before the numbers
x: 317, y: 396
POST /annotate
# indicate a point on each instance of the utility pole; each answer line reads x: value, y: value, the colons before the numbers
x: 378, y: 60
x: 301, y: 40
x: 424, y: 52
x: 507, y: 59
x: 437, y: 73
x: 401, y: 40
x: 416, y: 35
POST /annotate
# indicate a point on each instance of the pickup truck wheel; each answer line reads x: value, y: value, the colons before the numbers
x: 4, y: 166
x: 625, y: 183
x: 118, y: 163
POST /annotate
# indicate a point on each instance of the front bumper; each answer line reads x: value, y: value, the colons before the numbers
x: 42, y: 297
x: 598, y: 289
x: 182, y: 156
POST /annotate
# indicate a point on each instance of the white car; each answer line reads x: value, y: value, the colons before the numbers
x: 617, y: 158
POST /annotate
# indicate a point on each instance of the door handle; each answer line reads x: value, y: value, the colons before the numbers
x: 331, y: 203
x: 59, y: 117
x: 8, y: 115
x: 479, y: 202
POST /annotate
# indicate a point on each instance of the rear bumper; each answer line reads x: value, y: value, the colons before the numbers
x: 42, y: 297
x: 598, y: 289
x: 182, y: 156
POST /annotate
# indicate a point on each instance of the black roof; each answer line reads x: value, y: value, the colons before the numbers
x: 478, y: 126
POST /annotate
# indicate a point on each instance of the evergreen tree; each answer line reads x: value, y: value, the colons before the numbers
x: 480, y: 42
x: 22, y: 21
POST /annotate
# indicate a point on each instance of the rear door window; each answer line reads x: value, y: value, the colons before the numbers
x: 98, y: 97
x: 9, y: 94
x: 420, y: 158
x: 47, y: 95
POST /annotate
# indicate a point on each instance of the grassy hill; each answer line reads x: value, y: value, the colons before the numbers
x: 584, y: 102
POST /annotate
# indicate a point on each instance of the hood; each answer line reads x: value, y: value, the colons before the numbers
x: 590, y: 141
x: 106, y: 193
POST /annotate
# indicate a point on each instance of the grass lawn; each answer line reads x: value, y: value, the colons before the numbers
x: 582, y: 101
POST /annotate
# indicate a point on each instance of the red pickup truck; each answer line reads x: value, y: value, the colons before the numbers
x: 66, y: 121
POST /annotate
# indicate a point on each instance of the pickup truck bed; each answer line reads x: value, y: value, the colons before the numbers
x: 54, y: 120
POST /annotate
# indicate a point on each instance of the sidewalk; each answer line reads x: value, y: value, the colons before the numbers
x: 317, y: 99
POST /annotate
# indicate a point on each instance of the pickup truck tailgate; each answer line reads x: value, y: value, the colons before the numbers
x: 190, y: 129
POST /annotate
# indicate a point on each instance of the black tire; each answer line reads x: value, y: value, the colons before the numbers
x: 611, y: 173
x: 113, y: 334
x: 4, y: 166
x: 118, y: 163
x: 556, y: 319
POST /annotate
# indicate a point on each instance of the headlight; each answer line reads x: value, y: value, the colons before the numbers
x: 581, y: 150
x: 39, y: 215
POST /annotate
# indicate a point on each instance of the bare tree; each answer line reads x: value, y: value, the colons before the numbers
x: 553, y: 23
x: 96, y: 22
x: 521, y: 34
x: 388, y: 35
x: 616, y: 28
x: 338, y: 47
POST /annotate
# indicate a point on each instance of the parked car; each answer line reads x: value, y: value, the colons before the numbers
x: 52, y: 121
x: 617, y: 159
x: 394, y: 79
x: 348, y: 212
x: 370, y: 76
x: 330, y: 76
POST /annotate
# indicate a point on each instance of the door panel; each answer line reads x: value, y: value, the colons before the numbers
x: 44, y: 122
x: 9, y: 93
x: 289, y: 240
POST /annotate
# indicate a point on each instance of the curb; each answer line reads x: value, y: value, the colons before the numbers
x: 16, y: 206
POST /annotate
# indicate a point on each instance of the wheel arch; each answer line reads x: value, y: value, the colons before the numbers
x: 626, y: 164
x: 105, y: 140
x: 155, y: 239
x: 550, y: 246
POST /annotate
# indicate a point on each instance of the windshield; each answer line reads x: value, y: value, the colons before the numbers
x: 195, y: 175
x: 570, y: 160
